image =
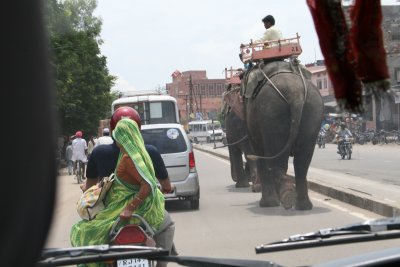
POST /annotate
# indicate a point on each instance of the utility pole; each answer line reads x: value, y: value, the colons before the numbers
x: 192, y: 96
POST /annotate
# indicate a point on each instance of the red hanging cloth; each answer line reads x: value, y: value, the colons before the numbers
x: 367, y: 39
x: 351, y: 55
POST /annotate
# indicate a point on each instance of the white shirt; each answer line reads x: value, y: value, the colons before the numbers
x: 79, y: 147
x: 104, y: 140
x: 272, y: 33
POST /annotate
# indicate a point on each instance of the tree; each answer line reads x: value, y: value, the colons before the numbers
x: 82, y: 80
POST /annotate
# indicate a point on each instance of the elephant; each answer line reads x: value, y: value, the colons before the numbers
x: 239, y: 144
x: 283, y: 112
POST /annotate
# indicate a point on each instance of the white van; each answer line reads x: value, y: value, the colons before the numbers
x: 153, y: 107
x: 205, y: 131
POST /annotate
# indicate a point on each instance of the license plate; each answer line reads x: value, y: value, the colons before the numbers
x: 169, y: 195
x: 133, y: 263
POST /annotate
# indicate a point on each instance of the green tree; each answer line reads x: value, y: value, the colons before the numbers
x: 82, y: 80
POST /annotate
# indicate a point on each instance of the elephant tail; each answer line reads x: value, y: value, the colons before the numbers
x: 296, y: 113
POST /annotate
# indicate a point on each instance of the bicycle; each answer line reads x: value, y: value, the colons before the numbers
x: 79, y: 171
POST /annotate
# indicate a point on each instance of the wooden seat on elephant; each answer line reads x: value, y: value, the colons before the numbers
x: 232, y: 75
x: 276, y: 49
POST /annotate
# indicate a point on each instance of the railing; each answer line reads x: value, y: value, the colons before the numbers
x: 283, y: 48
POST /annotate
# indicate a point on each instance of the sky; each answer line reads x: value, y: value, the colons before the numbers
x: 145, y: 41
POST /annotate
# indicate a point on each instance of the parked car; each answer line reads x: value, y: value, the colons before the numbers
x: 176, y: 150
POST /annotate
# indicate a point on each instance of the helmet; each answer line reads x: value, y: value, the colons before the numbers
x: 343, y: 125
x: 78, y: 134
x: 124, y: 112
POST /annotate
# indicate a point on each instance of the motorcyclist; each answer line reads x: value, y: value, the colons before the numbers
x: 340, y: 135
x: 104, y: 159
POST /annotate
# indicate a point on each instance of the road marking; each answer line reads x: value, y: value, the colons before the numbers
x: 341, y: 208
x: 215, y: 157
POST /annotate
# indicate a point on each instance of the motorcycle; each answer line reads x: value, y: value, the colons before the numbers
x: 345, y: 147
x: 140, y: 234
x: 321, y: 139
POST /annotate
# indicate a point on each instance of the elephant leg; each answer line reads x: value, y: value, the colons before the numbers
x: 269, y: 196
x: 237, y: 170
x: 301, y: 164
x: 287, y: 191
x: 255, y: 179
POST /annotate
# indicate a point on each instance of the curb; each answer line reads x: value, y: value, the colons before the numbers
x: 341, y: 194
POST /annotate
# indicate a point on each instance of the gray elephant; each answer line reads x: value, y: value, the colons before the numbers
x: 283, y: 111
x: 238, y: 143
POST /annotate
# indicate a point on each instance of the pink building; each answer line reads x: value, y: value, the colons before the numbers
x: 197, y: 96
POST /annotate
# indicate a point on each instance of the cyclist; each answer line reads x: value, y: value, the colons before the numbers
x: 79, y: 150
x: 104, y: 159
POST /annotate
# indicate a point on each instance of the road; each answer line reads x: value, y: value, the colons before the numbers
x: 230, y: 224
x: 375, y: 162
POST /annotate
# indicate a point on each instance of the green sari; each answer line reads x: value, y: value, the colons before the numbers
x: 96, y: 231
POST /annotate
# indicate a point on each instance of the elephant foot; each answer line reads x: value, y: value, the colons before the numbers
x: 304, y: 204
x: 256, y: 188
x: 242, y: 184
x: 269, y: 201
x: 287, y: 194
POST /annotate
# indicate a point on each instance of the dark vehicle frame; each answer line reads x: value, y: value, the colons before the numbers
x: 25, y: 53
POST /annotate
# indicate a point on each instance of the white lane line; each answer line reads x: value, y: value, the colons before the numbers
x: 341, y: 208
x: 214, y: 157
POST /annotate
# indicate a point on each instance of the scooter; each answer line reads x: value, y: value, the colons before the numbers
x: 345, y: 147
x: 140, y: 234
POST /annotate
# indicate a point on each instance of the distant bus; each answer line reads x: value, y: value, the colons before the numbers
x: 153, y: 107
x: 205, y: 131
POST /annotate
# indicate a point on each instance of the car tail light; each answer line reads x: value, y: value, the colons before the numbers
x: 192, y: 163
x: 130, y: 235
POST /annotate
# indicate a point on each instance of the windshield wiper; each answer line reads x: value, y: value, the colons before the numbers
x: 89, y: 254
x: 371, y: 230
x: 101, y: 253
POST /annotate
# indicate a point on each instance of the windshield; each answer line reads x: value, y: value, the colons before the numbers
x: 215, y: 126
x: 154, y: 112
x: 168, y: 140
x: 311, y: 136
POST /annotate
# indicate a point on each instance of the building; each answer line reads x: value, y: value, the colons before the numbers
x: 198, y: 97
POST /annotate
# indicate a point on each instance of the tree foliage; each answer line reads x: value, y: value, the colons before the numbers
x: 82, y: 80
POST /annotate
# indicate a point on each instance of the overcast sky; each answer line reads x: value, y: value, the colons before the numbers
x: 145, y: 41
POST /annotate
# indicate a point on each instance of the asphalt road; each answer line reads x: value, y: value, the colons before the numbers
x: 379, y: 163
x: 230, y: 224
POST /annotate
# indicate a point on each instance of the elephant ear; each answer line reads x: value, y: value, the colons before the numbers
x: 235, y: 101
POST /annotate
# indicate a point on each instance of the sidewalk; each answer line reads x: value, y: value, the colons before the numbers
x: 380, y: 198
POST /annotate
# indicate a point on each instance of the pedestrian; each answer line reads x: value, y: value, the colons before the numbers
x: 68, y: 157
x: 79, y: 150
x: 103, y: 161
x: 105, y: 139
x: 90, y: 145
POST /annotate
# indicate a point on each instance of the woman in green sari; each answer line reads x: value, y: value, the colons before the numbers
x: 133, y: 191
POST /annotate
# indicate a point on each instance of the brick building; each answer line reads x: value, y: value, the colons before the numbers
x: 197, y: 96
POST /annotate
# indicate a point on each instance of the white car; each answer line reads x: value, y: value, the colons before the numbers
x: 176, y: 150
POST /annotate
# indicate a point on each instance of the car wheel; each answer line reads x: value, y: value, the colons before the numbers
x: 195, y: 202
x: 208, y: 139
